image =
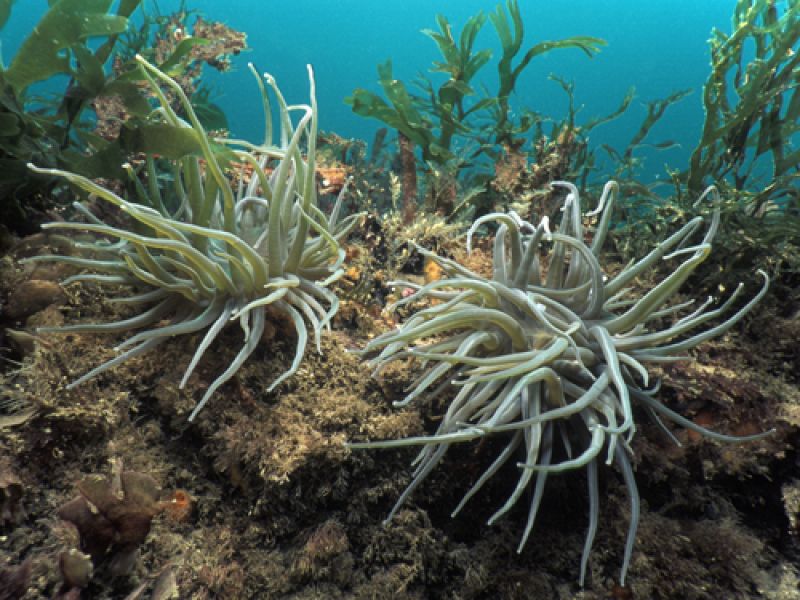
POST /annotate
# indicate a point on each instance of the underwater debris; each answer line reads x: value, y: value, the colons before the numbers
x: 542, y: 358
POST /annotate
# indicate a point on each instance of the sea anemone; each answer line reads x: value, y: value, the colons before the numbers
x: 202, y: 253
x: 552, y: 360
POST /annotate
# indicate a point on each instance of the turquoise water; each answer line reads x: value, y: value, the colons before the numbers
x: 657, y: 46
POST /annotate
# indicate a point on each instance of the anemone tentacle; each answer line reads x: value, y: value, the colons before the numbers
x: 201, y: 253
x: 560, y: 355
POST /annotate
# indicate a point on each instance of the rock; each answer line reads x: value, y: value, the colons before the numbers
x: 41, y: 243
x: 7, y: 239
x: 11, y: 511
x: 76, y: 568
x: 52, y: 271
x: 32, y: 296
x: 14, y: 581
x: 21, y: 341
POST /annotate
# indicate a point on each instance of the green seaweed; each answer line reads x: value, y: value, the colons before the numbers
x: 752, y: 103
x: 400, y: 113
x: 511, y: 33
x: 5, y: 11
x: 747, y: 147
x: 434, y: 118
x: 30, y: 130
x: 62, y: 133
x: 67, y: 25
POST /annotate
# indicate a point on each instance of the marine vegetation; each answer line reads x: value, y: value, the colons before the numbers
x: 203, y: 251
x: 438, y: 117
x: 107, y: 523
x: 28, y: 130
x: 91, y: 123
x: 752, y: 103
x: 553, y: 359
x: 182, y: 50
x: 433, y: 119
x: 561, y: 149
x: 749, y: 141
x: 748, y: 146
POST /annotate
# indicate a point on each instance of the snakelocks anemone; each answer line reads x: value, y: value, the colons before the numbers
x: 201, y: 253
x: 553, y: 362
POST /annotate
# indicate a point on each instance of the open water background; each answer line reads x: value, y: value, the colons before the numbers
x: 658, y: 46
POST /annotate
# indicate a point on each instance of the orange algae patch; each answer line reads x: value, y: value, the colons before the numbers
x: 178, y: 506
